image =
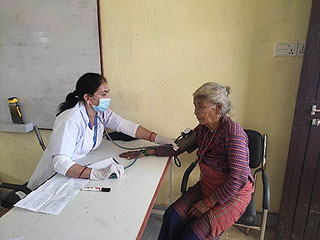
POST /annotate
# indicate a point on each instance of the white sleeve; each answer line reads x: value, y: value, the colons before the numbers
x: 64, y: 137
x: 62, y: 163
x: 116, y: 122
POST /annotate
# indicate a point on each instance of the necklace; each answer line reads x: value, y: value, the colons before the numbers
x: 203, y: 150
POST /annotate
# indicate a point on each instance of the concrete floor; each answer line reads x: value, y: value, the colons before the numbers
x: 234, y: 233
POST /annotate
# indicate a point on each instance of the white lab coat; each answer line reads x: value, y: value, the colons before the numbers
x: 72, y: 137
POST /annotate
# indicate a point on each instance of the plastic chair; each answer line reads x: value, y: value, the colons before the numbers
x: 19, y: 191
x: 257, y: 150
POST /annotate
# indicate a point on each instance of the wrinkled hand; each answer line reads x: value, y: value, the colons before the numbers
x: 104, y: 173
x: 134, y: 154
x: 198, y: 209
x: 163, y: 140
x: 131, y: 155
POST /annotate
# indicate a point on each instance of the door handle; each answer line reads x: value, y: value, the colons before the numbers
x: 314, y: 109
x: 316, y: 122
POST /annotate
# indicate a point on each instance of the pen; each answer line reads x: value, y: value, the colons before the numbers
x: 115, y: 160
x: 96, y: 189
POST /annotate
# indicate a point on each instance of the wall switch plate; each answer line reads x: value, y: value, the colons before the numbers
x: 301, y: 48
x: 285, y: 49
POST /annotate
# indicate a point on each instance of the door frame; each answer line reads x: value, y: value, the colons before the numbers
x: 292, y: 216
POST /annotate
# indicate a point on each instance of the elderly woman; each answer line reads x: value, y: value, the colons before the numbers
x: 218, y: 200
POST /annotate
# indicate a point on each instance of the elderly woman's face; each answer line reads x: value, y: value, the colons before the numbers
x: 206, y: 112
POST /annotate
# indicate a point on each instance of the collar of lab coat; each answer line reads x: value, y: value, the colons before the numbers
x: 84, y: 113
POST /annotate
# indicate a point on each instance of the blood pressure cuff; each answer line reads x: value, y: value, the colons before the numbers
x: 188, y: 143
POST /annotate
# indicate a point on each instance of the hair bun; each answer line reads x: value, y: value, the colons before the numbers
x: 75, y: 94
x: 228, y: 90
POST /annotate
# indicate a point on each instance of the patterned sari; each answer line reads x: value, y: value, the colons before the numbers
x: 223, y: 158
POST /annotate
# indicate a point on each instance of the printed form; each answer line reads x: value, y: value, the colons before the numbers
x: 54, y: 194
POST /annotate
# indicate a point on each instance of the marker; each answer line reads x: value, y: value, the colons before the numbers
x: 96, y: 189
x: 115, y: 160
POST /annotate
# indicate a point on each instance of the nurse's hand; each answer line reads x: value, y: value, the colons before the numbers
x: 104, y: 173
x: 163, y: 140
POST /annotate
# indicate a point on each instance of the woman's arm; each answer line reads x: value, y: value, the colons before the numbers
x: 116, y: 122
x: 238, y: 160
x: 78, y: 171
x: 185, y: 144
x: 158, y: 151
x: 145, y: 134
x: 64, y: 165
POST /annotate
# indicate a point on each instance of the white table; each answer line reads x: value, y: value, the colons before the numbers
x: 120, y: 214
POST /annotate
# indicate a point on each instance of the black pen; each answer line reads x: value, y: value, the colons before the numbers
x: 115, y: 160
x: 96, y: 189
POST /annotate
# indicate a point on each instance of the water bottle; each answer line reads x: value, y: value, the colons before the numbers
x: 15, y: 110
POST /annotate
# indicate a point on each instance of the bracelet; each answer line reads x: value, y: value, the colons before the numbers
x: 82, y: 171
x: 151, y: 136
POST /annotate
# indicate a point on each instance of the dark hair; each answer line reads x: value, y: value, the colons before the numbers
x: 87, y: 83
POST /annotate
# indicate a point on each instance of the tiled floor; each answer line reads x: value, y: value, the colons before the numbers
x: 234, y: 233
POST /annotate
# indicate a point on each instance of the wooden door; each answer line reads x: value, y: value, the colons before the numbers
x: 299, y: 214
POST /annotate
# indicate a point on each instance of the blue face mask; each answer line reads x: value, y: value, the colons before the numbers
x: 104, y: 104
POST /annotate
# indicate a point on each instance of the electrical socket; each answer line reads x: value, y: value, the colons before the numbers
x: 285, y: 49
x: 301, y: 48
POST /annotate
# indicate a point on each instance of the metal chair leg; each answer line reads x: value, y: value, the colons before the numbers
x: 264, y: 224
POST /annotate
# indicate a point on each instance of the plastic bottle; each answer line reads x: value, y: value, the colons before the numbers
x: 15, y: 110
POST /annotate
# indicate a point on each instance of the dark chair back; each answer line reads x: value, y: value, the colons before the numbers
x: 255, y: 147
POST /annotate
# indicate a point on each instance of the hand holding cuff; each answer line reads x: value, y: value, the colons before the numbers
x: 163, y: 140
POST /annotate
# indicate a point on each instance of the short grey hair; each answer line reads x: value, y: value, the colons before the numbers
x: 215, y: 93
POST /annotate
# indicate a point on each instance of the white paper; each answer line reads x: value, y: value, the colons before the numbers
x: 54, y: 194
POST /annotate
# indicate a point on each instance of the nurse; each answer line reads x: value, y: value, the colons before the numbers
x: 78, y: 130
